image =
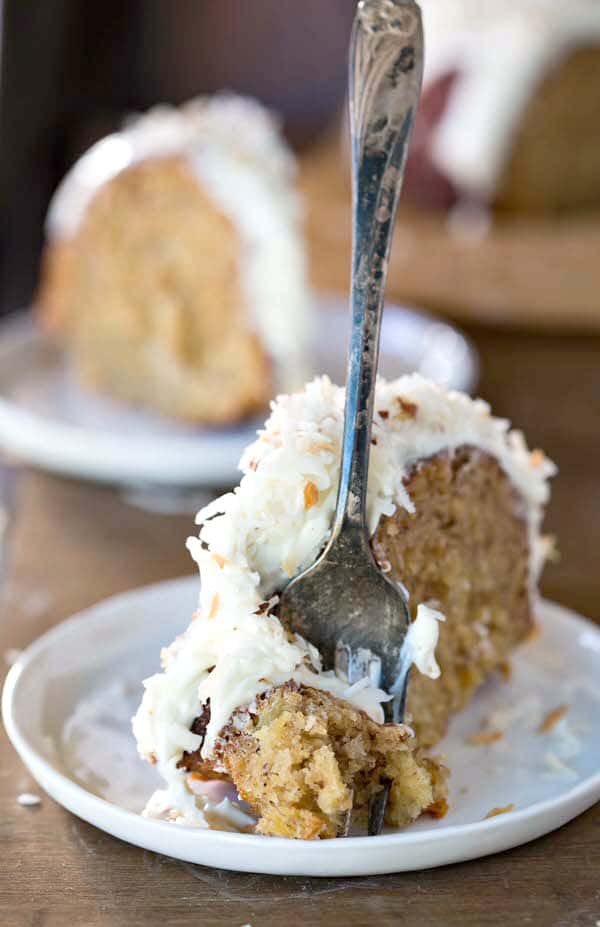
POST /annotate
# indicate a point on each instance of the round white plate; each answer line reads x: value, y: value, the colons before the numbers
x: 68, y: 701
x: 50, y: 420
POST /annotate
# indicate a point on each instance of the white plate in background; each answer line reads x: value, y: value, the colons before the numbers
x: 68, y: 701
x: 48, y: 419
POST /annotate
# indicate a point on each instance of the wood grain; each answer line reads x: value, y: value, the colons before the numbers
x: 528, y: 272
x: 71, y: 544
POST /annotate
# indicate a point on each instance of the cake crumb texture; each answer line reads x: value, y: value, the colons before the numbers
x: 148, y: 296
x: 304, y: 759
x: 466, y: 550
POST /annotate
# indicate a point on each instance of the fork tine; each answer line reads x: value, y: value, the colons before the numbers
x: 344, y: 828
x: 377, y: 806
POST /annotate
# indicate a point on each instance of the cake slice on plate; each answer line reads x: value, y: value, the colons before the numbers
x: 455, y: 505
x: 174, y: 270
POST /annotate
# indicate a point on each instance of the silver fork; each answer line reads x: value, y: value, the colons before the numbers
x: 344, y: 604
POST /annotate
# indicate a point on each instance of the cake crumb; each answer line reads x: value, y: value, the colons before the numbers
x: 482, y: 738
x: 503, y: 809
x: 552, y: 719
x: 29, y: 800
x: 533, y: 633
x: 438, y: 809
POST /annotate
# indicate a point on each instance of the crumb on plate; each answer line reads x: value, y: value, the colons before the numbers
x: 482, y: 738
x: 28, y: 800
x: 552, y: 718
x: 502, y: 809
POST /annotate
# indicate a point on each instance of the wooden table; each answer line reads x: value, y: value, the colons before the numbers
x: 68, y: 545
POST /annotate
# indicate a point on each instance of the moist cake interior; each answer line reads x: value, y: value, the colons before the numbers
x: 301, y: 758
x: 304, y: 760
x: 149, y: 296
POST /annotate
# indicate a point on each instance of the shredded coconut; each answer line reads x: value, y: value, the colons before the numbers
x: 254, y: 539
x: 421, y: 640
x: 29, y: 800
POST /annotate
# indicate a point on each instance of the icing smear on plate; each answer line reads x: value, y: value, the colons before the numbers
x: 253, y: 540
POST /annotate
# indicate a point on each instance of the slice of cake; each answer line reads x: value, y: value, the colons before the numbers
x: 455, y: 504
x: 174, y: 269
x: 510, y: 113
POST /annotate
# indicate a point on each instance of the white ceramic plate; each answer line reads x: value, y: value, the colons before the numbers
x: 49, y: 420
x: 68, y: 701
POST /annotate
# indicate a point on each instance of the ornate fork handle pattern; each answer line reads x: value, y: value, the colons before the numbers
x: 386, y: 59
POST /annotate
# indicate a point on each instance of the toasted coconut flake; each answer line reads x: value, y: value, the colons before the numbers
x: 407, y: 409
x: 311, y: 495
x: 505, y: 670
x: 552, y: 719
x: 273, y: 438
x: 214, y: 606
x: 482, y: 738
x: 503, y: 809
x: 220, y: 560
x: 538, y: 458
x: 550, y: 549
x: 288, y: 566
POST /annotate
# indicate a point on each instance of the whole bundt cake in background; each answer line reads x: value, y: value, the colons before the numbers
x: 174, y: 269
x: 510, y: 113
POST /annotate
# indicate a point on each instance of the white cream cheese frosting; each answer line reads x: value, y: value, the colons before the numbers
x: 421, y: 640
x: 274, y: 524
x: 501, y: 50
x: 235, y: 148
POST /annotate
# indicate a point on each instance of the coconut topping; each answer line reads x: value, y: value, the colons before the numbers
x: 252, y: 540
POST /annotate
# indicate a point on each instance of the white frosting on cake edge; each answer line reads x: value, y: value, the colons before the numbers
x: 235, y: 148
x: 274, y: 524
x: 501, y: 51
x: 421, y: 640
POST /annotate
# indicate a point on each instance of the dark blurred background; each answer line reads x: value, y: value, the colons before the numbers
x: 71, y: 70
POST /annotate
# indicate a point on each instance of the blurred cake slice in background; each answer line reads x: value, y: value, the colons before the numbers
x: 510, y: 113
x: 174, y: 269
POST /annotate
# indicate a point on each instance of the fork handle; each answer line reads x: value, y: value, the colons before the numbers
x: 386, y: 63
